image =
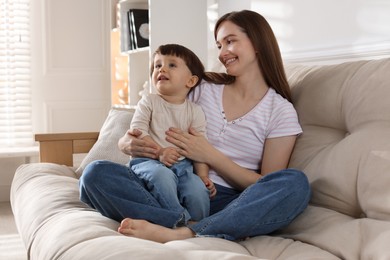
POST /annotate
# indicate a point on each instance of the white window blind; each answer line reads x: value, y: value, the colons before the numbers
x: 15, y: 74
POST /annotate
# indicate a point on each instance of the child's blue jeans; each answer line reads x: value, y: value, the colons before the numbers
x: 176, y: 188
x: 269, y: 204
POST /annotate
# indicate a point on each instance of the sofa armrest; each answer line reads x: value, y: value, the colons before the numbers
x: 60, y: 147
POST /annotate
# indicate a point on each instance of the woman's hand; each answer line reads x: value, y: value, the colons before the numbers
x: 192, y: 145
x: 130, y: 144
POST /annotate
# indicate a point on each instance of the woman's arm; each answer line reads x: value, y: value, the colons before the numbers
x: 238, y: 177
x: 130, y: 144
x: 277, y: 152
x: 195, y: 146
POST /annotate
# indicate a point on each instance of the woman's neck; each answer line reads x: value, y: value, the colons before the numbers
x: 241, y: 97
x: 250, y: 86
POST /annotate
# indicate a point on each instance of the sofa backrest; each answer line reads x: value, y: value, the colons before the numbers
x: 344, y: 110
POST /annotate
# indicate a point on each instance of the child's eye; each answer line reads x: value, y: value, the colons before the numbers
x: 172, y: 65
x: 157, y: 66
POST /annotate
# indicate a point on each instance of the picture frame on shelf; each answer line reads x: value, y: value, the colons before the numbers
x: 138, y: 27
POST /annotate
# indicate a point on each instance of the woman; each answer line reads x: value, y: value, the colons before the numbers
x: 251, y: 128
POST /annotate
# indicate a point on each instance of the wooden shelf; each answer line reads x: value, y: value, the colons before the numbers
x: 60, y: 147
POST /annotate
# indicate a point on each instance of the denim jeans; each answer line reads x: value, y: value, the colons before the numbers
x: 176, y: 188
x: 266, y: 206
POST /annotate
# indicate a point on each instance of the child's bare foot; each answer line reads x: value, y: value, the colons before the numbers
x: 143, y: 229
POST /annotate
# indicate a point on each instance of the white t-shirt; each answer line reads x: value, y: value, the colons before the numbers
x: 242, y: 139
x: 154, y: 116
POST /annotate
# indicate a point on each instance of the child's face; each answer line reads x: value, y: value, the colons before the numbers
x: 171, y: 76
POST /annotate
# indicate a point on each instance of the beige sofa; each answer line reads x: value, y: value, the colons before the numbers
x: 345, y: 151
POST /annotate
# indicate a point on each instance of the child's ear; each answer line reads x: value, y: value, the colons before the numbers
x: 192, y: 81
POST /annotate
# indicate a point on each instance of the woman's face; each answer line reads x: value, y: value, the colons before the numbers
x: 236, y: 51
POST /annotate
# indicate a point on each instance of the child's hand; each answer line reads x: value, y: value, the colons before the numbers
x: 168, y: 156
x: 210, y: 186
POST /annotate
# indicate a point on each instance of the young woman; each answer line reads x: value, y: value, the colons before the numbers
x: 251, y: 131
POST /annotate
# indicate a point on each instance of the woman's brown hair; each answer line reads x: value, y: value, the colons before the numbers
x: 266, y: 46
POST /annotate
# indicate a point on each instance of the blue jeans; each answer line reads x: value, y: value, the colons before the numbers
x: 176, y: 188
x: 266, y: 206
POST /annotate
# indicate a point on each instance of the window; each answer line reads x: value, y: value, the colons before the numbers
x: 15, y: 74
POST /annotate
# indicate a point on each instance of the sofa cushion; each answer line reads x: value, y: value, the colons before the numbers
x: 346, y: 121
x: 344, y: 150
x: 106, y: 147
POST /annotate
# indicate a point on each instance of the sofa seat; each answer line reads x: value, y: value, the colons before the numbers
x: 54, y: 224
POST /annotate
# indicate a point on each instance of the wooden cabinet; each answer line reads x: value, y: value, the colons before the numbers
x: 170, y: 21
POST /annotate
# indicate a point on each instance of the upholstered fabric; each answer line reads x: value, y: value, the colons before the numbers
x: 344, y: 150
x: 106, y: 147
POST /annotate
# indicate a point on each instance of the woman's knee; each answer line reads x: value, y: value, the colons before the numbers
x: 299, y: 179
x: 291, y: 176
x: 96, y: 172
x: 299, y: 185
x: 294, y: 181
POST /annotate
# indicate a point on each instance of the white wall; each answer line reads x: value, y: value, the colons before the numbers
x: 71, y: 71
x: 70, y: 40
x: 316, y: 30
x: 172, y: 26
x: 71, y: 65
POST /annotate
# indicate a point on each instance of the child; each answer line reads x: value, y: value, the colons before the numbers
x: 171, y: 180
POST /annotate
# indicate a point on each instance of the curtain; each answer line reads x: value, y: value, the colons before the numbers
x: 15, y: 74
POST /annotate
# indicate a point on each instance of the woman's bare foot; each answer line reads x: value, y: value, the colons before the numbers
x: 143, y: 229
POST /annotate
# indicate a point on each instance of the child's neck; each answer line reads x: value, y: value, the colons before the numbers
x: 173, y: 99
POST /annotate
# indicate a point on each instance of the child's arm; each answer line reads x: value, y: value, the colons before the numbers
x: 168, y: 156
x: 202, y: 170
